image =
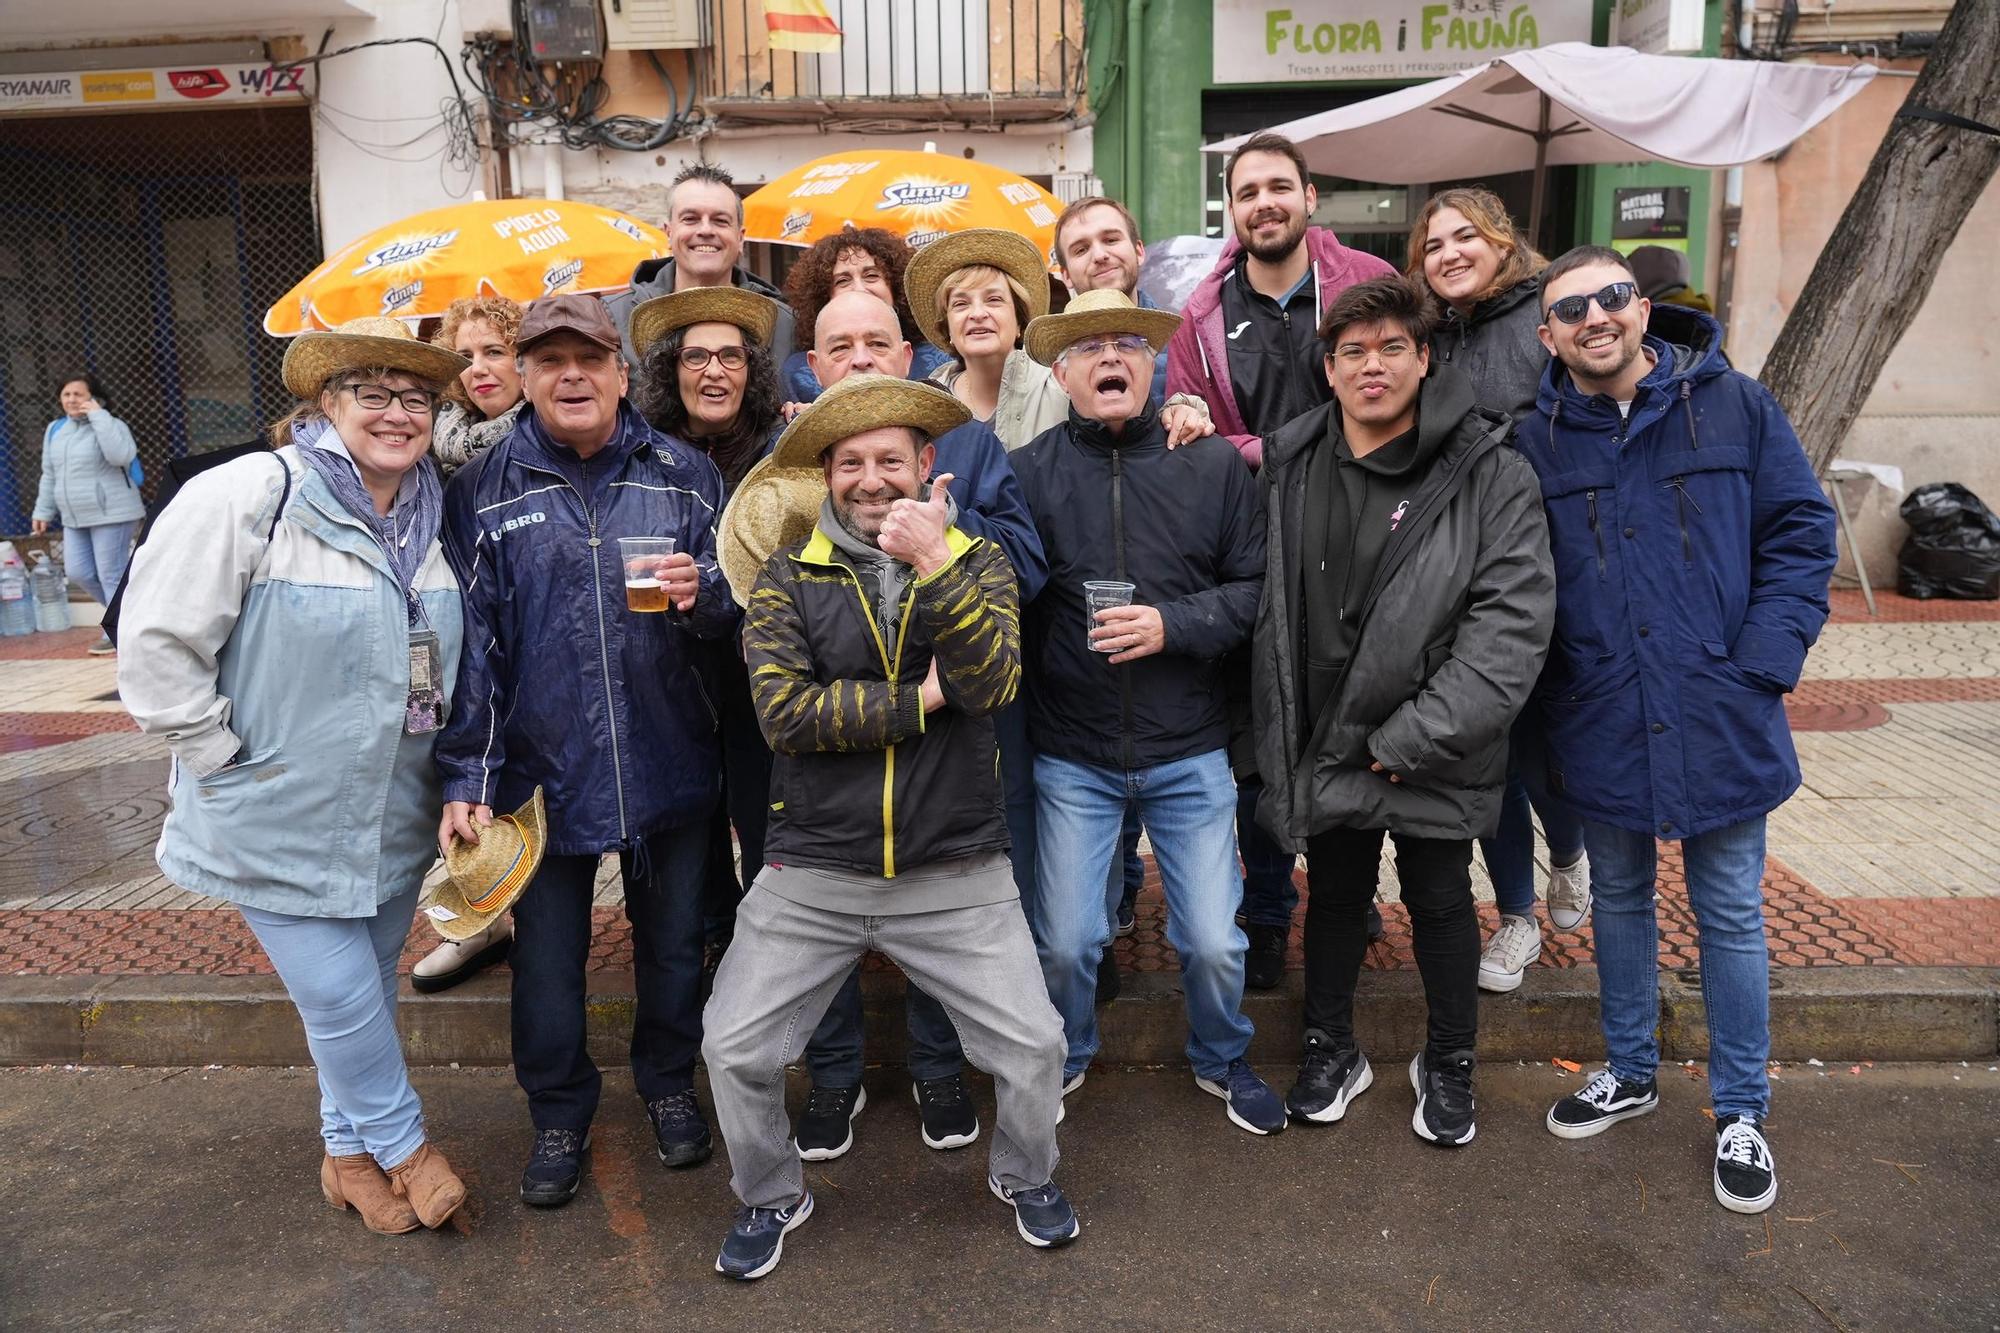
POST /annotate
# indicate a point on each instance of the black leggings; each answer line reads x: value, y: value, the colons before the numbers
x: 1342, y: 866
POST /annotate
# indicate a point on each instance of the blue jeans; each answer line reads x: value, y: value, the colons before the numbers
x: 1510, y: 853
x: 1270, y: 897
x: 1725, y: 873
x: 341, y: 974
x: 96, y: 557
x: 663, y: 897
x: 1189, y: 806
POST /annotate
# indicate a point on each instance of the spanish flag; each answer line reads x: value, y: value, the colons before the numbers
x: 801, y: 25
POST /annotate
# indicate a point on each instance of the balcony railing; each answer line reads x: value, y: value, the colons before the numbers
x: 983, y: 59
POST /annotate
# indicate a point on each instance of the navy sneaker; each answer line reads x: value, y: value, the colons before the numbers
x: 949, y: 1118
x: 826, y: 1130
x: 1600, y: 1104
x: 1444, y: 1098
x: 1746, y: 1175
x: 1252, y: 1105
x: 1330, y: 1077
x: 757, y: 1241
x: 555, y: 1167
x: 680, y: 1130
x: 1042, y: 1215
x: 1128, y: 913
x: 1264, y: 960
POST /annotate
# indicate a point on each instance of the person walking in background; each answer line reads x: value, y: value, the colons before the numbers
x: 1693, y: 547
x: 89, y: 488
x: 1406, y: 616
x: 705, y: 234
x: 1466, y: 249
x: 570, y: 688
x: 293, y: 632
x: 868, y: 259
x: 479, y: 408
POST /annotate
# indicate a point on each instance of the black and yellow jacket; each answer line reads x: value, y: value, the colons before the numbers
x: 863, y: 779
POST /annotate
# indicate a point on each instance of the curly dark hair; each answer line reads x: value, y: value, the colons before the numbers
x: 659, y: 400
x: 809, y: 286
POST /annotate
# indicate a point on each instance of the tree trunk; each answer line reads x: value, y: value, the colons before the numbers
x: 1879, y: 264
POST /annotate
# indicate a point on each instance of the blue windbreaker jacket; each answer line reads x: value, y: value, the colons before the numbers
x: 560, y: 686
x: 1692, y: 547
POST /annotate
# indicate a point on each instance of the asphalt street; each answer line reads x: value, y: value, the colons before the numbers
x: 188, y: 1199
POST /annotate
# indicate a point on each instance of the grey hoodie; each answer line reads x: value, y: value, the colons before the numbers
x: 889, y: 575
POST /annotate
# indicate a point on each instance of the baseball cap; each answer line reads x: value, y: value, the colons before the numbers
x: 585, y: 316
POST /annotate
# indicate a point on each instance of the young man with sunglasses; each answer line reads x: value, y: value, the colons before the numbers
x: 1407, y: 613
x: 1692, y: 548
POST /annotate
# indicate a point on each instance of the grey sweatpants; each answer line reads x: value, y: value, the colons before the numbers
x: 781, y: 972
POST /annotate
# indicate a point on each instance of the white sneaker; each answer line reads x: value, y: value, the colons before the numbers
x: 455, y: 960
x: 1569, y: 893
x: 1517, y: 943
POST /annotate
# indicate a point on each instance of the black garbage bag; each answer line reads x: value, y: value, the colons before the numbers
x: 1954, y: 545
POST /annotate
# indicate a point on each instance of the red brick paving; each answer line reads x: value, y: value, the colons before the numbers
x: 1896, y: 690
x: 69, y: 643
x: 1805, y: 716
x: 1850, y: 609
x: 67, y: 725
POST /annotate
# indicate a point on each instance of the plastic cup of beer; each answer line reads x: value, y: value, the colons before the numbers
x: 1100, y: 595
x: 643, y: 558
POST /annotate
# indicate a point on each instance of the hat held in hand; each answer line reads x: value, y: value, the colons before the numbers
x: 485, y: 878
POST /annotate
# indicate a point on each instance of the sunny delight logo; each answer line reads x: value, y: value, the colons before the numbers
x: 405, y: 250
x: 922, y: 194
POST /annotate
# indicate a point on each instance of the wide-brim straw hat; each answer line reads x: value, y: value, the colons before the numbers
x: 485, y: 878
x: 654, y: 319
x: 1011, y: 253
x: 778, y: 502
x: 364, y: 344
x: 1097, y: 314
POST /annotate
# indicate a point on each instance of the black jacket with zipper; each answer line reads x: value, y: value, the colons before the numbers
x: 1451, y: 636
x: 1184, y: 527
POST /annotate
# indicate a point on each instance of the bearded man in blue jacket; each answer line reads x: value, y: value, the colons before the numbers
x: 563, y: 687
x: 1692, y: 547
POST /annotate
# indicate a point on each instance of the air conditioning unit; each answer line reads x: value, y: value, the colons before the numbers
x: 1070, y: 186
x: 652, y: 25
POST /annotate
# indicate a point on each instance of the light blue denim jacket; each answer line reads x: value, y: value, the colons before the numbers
x: 273, y: 658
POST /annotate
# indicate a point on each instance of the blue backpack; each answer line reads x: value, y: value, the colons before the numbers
x: 134, y: 474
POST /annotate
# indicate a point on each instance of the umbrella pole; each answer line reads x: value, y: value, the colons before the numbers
x: 1541, y: 177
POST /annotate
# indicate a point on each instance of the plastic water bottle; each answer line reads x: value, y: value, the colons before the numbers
x: 51, y: 592
x: 17, y: 608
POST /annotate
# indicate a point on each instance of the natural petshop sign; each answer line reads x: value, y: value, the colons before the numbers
x: 1257, y: 41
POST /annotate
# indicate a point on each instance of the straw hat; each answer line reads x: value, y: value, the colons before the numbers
x: 364, y: 343
x: 1011, y: 253
x: 1093, y: 315
x: 652, y: 320
x: 778, y: 503
x: 484, y: 878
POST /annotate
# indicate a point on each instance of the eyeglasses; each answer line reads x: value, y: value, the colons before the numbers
x: 377, y: 397
x: 732, y: 358
x: 1353, y: 356
x: 1124, y: 342
x: 1611, y: 300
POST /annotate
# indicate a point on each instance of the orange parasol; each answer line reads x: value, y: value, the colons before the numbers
x: 920, y: 196
x: 518, y: 248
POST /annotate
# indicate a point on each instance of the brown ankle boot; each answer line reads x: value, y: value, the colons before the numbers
x: 429, y: 1183
x: 357, y: 1183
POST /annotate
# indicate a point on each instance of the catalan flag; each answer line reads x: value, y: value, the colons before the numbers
x: 801, y: 25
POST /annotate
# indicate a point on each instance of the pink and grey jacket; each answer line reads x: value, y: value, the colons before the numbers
x: 1198, y: 356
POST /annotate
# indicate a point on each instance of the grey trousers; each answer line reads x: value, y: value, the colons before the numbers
x: 781, y: 972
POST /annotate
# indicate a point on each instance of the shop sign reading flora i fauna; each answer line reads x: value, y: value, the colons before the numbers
x: 1290, y: 41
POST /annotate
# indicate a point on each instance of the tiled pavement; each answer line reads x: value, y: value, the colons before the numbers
x: 1890, y: 853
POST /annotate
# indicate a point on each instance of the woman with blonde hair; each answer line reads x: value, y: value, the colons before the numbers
x: 292, y: 632
x: 1467, y: 250
x: 481, y: 404
x: 972, y: 293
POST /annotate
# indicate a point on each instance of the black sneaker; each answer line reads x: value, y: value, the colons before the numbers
x: 1600, y: 1104
x: 757, y: 1241
x: 1109, y: 982
x: 1374, y: 923
x: 1746, y: 1176
x: 680, y: 1130
x: 1329, y: 1078
x: 1128, y: 913
x: 1042, y: 1215
x: 948, y: 1115
x: 1444, y: 1098
x: 555, y: 1167
x: 826, y: 1129
x: 1264, y: 964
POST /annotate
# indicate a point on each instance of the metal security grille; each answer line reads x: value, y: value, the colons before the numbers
x: 145, y: 250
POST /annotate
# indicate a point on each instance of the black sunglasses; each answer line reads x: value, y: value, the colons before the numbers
x: 1611, y: 300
